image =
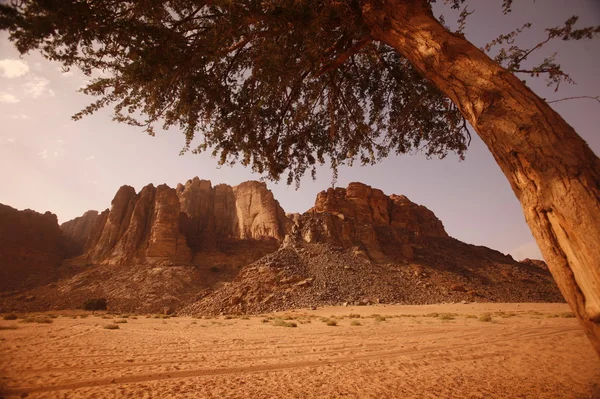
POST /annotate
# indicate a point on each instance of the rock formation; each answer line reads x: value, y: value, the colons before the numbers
x: 201, y: 248
x: 382, y: 227
x: 194, y: 223
x: 77, y: 231
x: 139, y: 228
x: 31, y: 247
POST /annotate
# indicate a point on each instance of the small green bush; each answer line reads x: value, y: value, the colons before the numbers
x: 94, y: 304
x: 11, y: 316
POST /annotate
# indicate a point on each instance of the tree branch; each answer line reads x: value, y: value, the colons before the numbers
x: 597, y: 98
x: 359, y: 45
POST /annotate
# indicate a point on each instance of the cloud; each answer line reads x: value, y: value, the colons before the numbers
x: 38, y: 86
x: 11, y: 68
x: 527, y: 250
x: 8, y: 98
x: 20, y: 116
x: 90, y: 158
x: 7, y: 139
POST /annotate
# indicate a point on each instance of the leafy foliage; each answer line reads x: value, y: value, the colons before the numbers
x: 513, y: 57
x: 277, y: 85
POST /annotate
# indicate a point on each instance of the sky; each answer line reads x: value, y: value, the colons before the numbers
x: 49, y: 162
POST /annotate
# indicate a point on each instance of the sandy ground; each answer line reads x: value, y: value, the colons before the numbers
x: 533, y: 352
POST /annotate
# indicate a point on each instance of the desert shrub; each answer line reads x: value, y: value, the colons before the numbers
x: 471, y: 316
x: 53, y: 316
x: 28, y: 320
x: 11, y: 316
x: 435, y: 315
x: 228, y: 317
x: 94, y: 304
x: 111, y: 327
x: 8, y: 327
x: 245, y: 318
x: 121, y: 321
x: 331, y: 323
x: 379, y: 318
x: 43, y: 320
x: 355, y: 323
x: 283, y: 323
x: 446, y: 316
x: 567, y: 315
x: 354, y: 316
x: 485, y: 317
x: 214, y: 269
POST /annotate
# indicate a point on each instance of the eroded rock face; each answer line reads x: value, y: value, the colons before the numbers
x: 223, y: 225
x: 195, y: 222
x: 31, y: 247
x: 77, y: 231
x: 380, y: 226
x: 139, y: 228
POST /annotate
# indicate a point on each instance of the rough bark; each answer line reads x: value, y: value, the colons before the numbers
x: 552, y: 171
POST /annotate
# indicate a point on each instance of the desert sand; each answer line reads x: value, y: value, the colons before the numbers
x: 525, y: 351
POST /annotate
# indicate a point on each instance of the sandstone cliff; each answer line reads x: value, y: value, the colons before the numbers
x: 194, y: 223
x: 139, y: 228
x: 379, y: 226
x: 214, y: 249
x: 31, y: 247
x: 77, y: 231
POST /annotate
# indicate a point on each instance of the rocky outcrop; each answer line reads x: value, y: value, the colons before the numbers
x: 194, y: 223
x: 244, y: 212
x: 379, y: 226
x: 77, y: 231
x: 535, y: 262
x: 31, y: 247
x: 139, y: 228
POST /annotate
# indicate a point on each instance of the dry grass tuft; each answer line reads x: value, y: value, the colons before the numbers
x: 111, y: 327
x: 486, y: 317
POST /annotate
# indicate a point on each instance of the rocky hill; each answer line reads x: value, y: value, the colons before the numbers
x: 222, y: 249
x: 31, y: 248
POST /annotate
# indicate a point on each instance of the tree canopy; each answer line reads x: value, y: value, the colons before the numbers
x: 277, y: 85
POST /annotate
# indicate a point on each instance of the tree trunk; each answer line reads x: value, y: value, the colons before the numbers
x: 552, y: 171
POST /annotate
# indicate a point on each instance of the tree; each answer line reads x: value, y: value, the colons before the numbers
x: 281, y: 85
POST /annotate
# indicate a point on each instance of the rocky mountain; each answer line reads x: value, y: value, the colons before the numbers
x: 31, y: 248
x: 191, y: 224
x: 77, y: 231
x: 223, y: 249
